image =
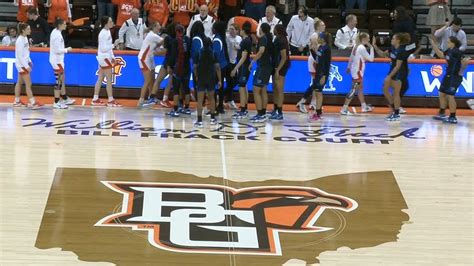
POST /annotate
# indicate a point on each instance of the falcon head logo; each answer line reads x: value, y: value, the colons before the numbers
x: 220, y: 219
x: 118, y: 65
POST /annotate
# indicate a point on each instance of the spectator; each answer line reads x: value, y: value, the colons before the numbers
x: 23, y: 6
x: 133, y: 30
x: 255, y: 9
x: 158, y: 11
x: 207, y: 21
x: 299, y: 30
x: 286, y: 9
x: 124, y: 9
x: 403, y: 23
x: 39, y: 28
x: 58, y: 9
x: 10, y: 38
x: 438, y: 14
x: 346, y: 36
x: 212, y: 5
x: 269, y: 18
x: 361, y: 4
x: 452, y: 29
x: 230, y: 9
x: 181, y: 13
x: 105, y: 8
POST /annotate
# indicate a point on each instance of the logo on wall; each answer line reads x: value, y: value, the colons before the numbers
x: 432, y: 79
x: 119, y: 65
x: 122, y: 216
x: 197, y: 218
x: 333, y: 74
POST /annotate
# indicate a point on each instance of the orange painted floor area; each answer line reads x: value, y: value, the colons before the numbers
x: 287, y: 107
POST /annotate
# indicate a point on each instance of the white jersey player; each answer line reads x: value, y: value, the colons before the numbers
x: 56, y: 59
x: 356, y: 68
x: 146, y: 59
x: 106, y: 59
x: 24, y: 66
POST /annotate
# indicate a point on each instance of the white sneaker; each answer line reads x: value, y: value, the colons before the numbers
x: 60, y: 105
x: 68, y: 101
x: 302, y: 108
x: 345, y: 112
x: 402, y: 111
x: 471, y: 103
x: 367, y: 109
x: 312, y: 106
x: 232, y: 105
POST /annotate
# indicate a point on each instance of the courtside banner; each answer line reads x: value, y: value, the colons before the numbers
x: 81, y: 70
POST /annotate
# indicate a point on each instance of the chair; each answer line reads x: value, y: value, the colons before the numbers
x: 383, y: 38
x: 312, y: 8
x: 332, y: 17
x: 379, y: 19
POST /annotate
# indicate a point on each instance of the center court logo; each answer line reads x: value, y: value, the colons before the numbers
x: 123, y: 216
x: 198, y: 218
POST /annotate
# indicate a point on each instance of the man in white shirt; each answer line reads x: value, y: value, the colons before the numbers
x: 269, y: 18
x: 299, y: 30
x: 132, y: 29
x: 10, y: 38
x: 346, y: 36
x: 452, y: 29
x: 207, y: 21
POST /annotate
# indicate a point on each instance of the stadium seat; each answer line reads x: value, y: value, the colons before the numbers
x: 383, y: 37
x: 379, y: 19
x: 332, y: 17
x: 312, y: 8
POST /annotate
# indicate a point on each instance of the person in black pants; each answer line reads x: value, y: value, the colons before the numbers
x: 206, y: 69
x: 219, y: 46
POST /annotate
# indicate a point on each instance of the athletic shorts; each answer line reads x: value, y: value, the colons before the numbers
x: 357, y: 75
x: 105, y: 62
x: 147, y: 64
x: 181, y: 83
x: 400, y: 76
x: 243, y: 76
x: 58, y: 66
x: 24, y: 70
x: 284, y: 70
x: 316, y: 85
x: 261, y: 78
x: 450, y: 84
x: 206, y: 86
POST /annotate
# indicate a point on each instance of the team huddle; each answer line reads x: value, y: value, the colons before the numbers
x: 224, y: 61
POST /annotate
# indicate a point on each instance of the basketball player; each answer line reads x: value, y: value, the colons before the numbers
x: 319, y: 27
x: 241, y: 70
x: 452, y: 79
x: 219, y: 45
x: 24, y: 66
x: 181, y: 73
x: 262, y: 74
x: 321, y: 62
x: 281, y: 59
x: 56, y: 59
x: 206, y: 69
x: 398, y: 71
x: 164, y: 70
x: 106, y: 59
x: 356, y: 68
x: 146, y: 59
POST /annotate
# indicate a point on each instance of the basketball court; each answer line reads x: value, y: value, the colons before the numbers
x: 102, y: 186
